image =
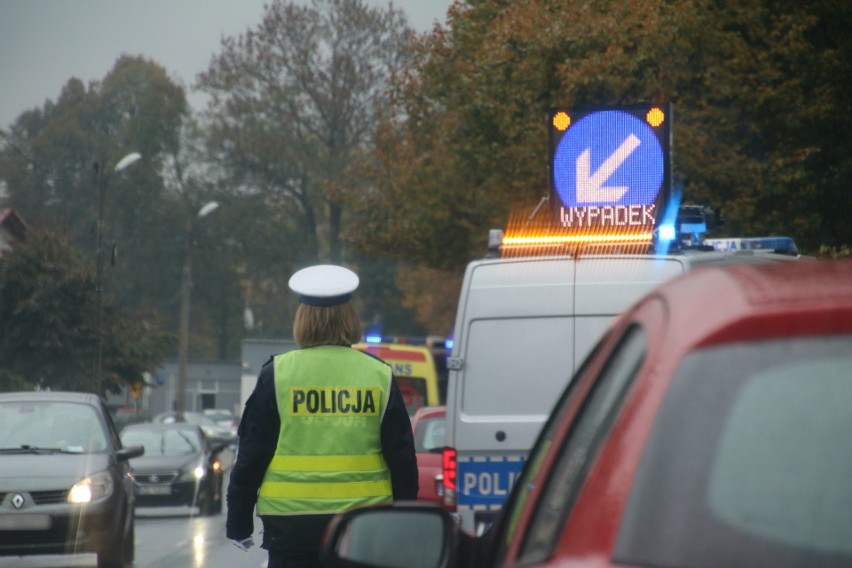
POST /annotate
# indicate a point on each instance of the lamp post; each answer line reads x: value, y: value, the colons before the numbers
x: 125, y: 162
x: 185, y: 292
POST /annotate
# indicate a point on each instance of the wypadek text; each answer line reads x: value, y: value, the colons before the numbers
x: 608, y: 216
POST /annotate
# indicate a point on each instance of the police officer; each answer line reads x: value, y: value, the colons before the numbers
x: 325, y: 430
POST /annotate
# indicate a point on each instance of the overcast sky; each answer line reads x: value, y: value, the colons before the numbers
x: 43, y: 43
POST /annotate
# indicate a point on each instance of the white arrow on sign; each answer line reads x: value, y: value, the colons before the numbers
x: 590, y: 188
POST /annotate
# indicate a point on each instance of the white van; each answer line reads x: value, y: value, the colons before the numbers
x: 523, y: 326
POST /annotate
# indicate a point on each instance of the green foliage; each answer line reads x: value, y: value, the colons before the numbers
x: 49, y: 156
x: 313, y: 158
x: 293, y: 107
x: 10, y: 382
x: 47, y: 333
x: 841, y: 251
x: 379, y: 300
x: 47, y: 163
x: 760, y: 127
x: 134, y: 344
x: 48, y: 336
x: 292, y: 102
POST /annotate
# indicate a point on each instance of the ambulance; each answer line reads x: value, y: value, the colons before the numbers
x: 414, y: 369
x: 531, y: 311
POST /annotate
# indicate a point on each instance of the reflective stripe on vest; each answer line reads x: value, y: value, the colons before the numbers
x: 327, y: 463
x: 331, y: 401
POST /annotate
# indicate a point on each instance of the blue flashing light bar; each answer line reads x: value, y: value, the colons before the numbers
x: 667, y: 233
x: 373, y: 339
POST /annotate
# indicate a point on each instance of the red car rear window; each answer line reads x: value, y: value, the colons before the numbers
x: 749, y: 461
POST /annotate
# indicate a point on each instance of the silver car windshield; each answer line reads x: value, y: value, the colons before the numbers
x: 47, y: 427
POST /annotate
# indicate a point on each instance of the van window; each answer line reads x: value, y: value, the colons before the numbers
x: 760, y: 433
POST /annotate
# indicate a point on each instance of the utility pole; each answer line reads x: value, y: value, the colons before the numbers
x: 99, y: 270
x: 101, y: 179
x: 185, y: 297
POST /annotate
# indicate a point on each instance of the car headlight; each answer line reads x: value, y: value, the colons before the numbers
x: 93, y: 488
x: 194, y: 473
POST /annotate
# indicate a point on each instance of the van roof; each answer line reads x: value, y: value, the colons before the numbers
x: 692, y: 257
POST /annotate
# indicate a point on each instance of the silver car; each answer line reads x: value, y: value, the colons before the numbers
x: 65, y: 482
x: 216, y: 433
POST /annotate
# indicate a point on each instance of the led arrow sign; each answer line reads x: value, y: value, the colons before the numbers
x: 610, y: 167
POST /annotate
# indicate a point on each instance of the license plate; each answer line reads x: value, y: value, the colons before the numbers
x: 156, y: 490
x: 24, y: 522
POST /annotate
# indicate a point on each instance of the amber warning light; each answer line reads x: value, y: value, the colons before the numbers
x: 524, y: 236
x: 561, y: 121
x: 610, y: 171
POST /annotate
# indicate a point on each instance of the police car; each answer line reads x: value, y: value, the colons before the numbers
x: 552, y: 283
x: 524, y: 324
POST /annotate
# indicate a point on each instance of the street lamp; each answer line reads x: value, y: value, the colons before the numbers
x: 185, y: 290
x: 122, y: 164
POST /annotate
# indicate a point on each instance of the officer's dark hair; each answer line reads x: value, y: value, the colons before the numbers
x: 326, y: 325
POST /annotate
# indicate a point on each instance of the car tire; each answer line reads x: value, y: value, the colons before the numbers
x: 205, y: 508
x: 218, y: 498
x: 120, y: 553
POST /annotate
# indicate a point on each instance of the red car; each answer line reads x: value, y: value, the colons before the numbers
x: 711, y: 426
x: 429, y: 427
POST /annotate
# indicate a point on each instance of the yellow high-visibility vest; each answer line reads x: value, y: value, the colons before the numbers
x: 329, y: 455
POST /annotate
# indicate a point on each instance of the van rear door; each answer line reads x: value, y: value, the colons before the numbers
x: 513, y: 343
x: 514, y: 350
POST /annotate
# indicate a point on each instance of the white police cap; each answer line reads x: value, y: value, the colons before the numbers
x: 324, y: 285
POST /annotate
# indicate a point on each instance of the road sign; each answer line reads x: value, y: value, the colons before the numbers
x: 610, y: 167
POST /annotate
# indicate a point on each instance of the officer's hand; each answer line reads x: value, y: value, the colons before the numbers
x: 244, y: 544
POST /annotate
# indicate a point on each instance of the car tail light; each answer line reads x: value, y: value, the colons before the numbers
x: 450, y: 471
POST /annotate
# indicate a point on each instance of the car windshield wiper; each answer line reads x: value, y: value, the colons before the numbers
x: 27, y: 449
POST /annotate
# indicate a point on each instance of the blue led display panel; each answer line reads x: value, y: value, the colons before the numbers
x: 610, y: 167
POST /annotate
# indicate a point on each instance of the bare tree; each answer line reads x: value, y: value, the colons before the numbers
x: 294, y: 100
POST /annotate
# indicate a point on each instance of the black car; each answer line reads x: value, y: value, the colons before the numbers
x: 214, y: 431
x: 65, y: 482
x: 180, y: 466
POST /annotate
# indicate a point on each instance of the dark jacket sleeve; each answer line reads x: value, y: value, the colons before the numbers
x: 258, y: 438
x: 398, y: 447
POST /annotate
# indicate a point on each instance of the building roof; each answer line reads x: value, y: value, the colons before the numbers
x: 12, y: 228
